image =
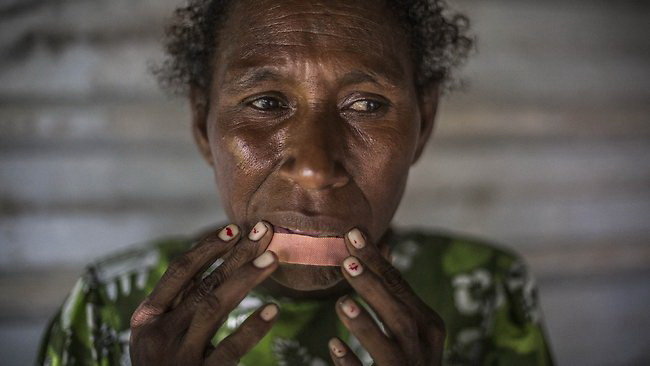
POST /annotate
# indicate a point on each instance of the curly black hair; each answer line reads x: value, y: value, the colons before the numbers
x: 439, y: 42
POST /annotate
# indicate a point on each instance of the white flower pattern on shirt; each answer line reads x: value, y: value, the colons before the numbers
x: 470, y: 291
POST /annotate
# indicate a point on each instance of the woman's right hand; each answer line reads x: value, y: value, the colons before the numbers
x: 174, y: 325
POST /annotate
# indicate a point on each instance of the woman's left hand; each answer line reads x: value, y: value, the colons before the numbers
x: 414, y: 333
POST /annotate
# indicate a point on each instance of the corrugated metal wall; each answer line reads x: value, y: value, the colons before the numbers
x: 548, y: 152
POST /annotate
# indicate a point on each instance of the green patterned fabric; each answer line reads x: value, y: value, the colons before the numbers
x: 484, y: 294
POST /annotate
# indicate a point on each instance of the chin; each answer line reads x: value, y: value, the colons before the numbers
x: 306, y: 278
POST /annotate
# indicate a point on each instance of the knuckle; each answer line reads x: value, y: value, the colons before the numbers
x: 250, y: 330
x: 211, y: 238
x: 207, y: 309
x: 203, y: 290
x: 240, y: 255
x: 364, y: 326
x: 143, y: 314
x: 211, y: 304
x: 146, y: 342
x: 392, y: 278
x: 215, y: 279
x: 180, y: 267
x: 208, y: 244
x: 436, y: 328
x: 245, y: 334
x: 220, y: 274
x: 408, y: 327
x: 231, y: 349
x: 435, y: 321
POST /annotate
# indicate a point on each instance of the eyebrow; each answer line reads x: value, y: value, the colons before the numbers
x: 256, y: 75
x: 359, y: 77
x: 251, y: 77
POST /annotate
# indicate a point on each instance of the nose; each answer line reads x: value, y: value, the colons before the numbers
x: 313, y: 158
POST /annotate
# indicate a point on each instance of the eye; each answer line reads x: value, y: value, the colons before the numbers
x: 267, y: 104
x: 365, y: 106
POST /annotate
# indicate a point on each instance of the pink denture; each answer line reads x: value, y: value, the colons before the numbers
x: 309, y: 250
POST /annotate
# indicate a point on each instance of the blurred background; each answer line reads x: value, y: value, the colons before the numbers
x: 548, y: 152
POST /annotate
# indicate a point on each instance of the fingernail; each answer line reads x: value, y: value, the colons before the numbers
x: 337, y: 347
x: 356, y: 238
x: 353, y: 266
x: 269, y: 312
x: 228, y: 232
x: 257, y: 232
x: 264, y: 260
x: 350, y: 308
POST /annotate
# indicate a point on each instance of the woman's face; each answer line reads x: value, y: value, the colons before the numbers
x: 312, y: 121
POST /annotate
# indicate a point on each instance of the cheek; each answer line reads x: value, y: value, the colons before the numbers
x: 386, y: 174
x: 243, y: 160
x: 387, y: 149
x: 385, y: 160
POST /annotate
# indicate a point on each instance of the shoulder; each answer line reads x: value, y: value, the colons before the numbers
x: 135, y: 270
x: 139, y: 258
x: 482, y: 290
x: 116, y: 284
x: 466, y: 276
x: 121, y: 280
x: 92, y: 325
x: 452, y: 252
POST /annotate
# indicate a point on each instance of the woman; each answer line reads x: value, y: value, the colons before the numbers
x: 310, y: 114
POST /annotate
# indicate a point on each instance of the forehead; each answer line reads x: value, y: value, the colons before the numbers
x: 334, y: 35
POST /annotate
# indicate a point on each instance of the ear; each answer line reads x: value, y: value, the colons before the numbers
x: 199, y: 108
x: 428, y: 98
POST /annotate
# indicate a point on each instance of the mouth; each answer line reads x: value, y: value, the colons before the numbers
x: 317, y: 226
x: 312, y: 233
x: 308, y: 250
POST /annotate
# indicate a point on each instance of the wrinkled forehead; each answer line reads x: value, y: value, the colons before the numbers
x: 359, y: 33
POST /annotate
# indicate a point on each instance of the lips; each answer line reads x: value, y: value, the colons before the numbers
x: 320, y: 226
x: 315, y: 234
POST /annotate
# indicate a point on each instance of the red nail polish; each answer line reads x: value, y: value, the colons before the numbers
x: 350, y: 308
x: 353, y: 266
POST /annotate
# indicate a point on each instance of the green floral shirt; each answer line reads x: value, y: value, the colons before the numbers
x: 484, y: 294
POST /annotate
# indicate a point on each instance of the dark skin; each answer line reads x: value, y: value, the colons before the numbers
x: 312, y: 122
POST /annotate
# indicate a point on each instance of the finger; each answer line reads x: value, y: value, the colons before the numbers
x: 236, y: 345
x: 397, y: 317
x: 383, y: 350
x: 259, y: 237
x: 253, y: 245
x: 214, y: 308
x: 390, y: 276
x: 341, y: 354
x: 392, y: 279
x: 182, y: 271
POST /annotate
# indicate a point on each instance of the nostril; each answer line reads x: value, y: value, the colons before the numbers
x: 314, y: 174
x: 340, y: 180
x: 287, y: 167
